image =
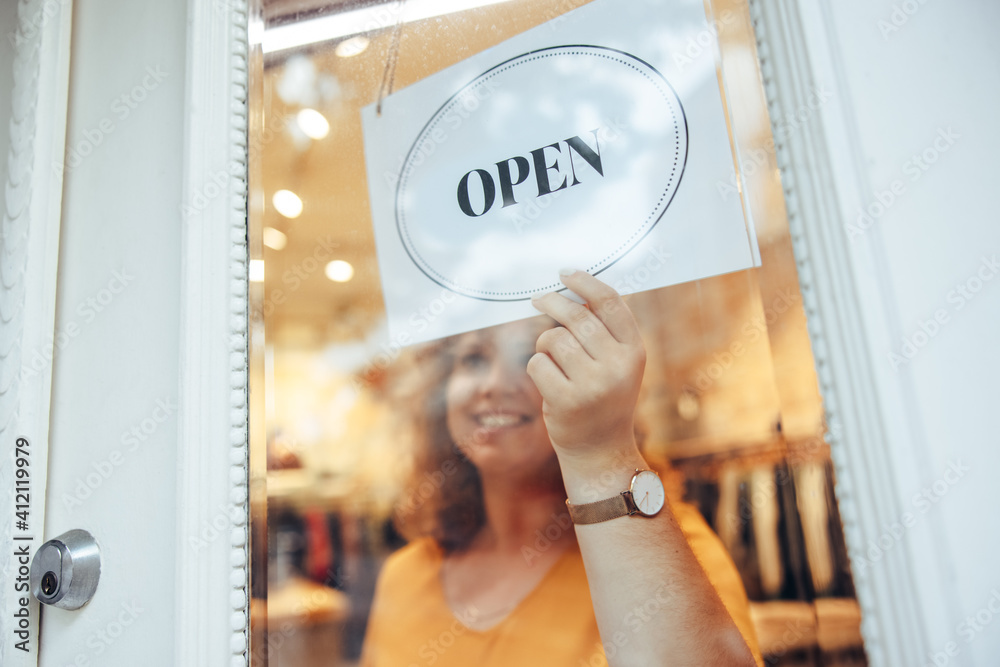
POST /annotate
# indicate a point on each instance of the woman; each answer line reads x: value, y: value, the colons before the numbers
x: 538, y: 419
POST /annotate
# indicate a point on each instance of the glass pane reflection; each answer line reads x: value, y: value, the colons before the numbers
x: 730, y: 403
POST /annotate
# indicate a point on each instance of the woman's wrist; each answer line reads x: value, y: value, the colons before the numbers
x: 592, y: 475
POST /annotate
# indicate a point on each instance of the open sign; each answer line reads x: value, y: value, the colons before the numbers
x: 578, y: 144
x: 615, y: 191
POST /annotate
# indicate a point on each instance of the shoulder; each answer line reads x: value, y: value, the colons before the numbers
x: 408, y: 581
x: 419, y: 561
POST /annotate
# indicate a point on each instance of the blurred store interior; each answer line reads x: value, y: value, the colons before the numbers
x: 730, y: 399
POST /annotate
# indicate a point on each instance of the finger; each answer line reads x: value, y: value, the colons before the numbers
x: 565, y: 350
x: 585, y: 326
x: 605, y: 303
x: 548, y: 377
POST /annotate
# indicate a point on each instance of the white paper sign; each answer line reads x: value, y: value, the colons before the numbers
x: 595, y: 141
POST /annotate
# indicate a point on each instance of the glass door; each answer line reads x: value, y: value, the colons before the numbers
x: 729, y: 410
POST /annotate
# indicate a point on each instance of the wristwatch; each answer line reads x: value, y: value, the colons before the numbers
x: 645, y: 497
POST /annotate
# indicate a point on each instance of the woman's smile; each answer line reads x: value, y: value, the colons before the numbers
x: 494, y: 410
x: 495, y: 420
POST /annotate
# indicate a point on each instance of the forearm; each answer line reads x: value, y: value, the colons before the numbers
x: 653, y: 602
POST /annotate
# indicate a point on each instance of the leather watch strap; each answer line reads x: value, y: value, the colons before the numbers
x: 602, y: 510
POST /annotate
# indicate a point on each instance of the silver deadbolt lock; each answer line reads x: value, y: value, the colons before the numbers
x: 65, y: 570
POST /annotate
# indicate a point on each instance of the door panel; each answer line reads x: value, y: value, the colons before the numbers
x: 115, y: 376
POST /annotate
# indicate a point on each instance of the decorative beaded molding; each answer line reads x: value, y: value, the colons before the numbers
x: 29, y: 248
x: 212, y: 621
x: 891, y: 621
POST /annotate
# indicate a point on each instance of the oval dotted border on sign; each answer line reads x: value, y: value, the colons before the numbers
x: 669, y: 94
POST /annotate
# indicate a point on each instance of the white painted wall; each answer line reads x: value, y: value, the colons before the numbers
x: 903, y: 84
x: 121, y: 218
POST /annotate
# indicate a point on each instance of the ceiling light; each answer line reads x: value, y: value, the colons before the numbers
x: 339, y: 271
x: 313, y: 123
x: 256, y: 270
x: 352, y: 46
x: 367, y: 19
x: 688, y: 406
x: 274, y: 239
x: 287, y: 203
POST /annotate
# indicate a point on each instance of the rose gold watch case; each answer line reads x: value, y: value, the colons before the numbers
x: 624, y: 504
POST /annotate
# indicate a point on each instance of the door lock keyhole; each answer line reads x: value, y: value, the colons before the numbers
x: 50, y: 583
x: 65, y: 570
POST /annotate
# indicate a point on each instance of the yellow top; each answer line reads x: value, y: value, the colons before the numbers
x: 412, y: 625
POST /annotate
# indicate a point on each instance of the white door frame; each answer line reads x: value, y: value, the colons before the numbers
x: 211, y: 602
x: 29, y: 253
x: 212, y: 612
x: 821, y: 182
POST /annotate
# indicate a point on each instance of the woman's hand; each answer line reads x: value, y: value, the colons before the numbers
x: 588, y: 370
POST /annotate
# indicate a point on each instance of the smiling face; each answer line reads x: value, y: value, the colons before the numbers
x: 494, y: 410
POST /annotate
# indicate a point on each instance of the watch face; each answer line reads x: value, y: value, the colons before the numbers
x: 647, y: 492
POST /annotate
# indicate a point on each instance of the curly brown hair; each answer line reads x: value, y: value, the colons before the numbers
x: 444, y: 495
